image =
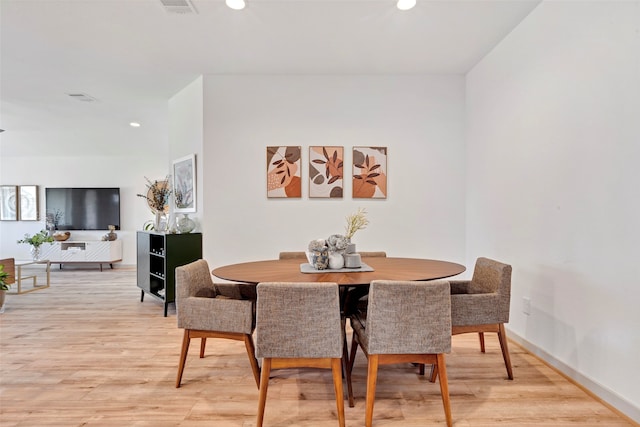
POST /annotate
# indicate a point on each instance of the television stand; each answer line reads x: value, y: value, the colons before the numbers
x: 70, y: 251
x: 84, y: 262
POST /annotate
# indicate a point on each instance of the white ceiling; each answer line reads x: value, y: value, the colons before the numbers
x: 132, y: 56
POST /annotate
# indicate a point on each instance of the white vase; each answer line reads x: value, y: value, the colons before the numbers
x: 336, y: 261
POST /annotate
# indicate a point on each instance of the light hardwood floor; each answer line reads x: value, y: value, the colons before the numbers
x: 87, y: 352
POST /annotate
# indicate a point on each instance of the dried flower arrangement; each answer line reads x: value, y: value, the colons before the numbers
x: 355, y: 222
x: 158, y: 193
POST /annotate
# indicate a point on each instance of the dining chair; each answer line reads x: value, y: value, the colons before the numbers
x: 482, y: 304
x: 405, y: 322
x: 299, y: 325
x: 355, y: 297
x: 292, y: 255
x: 203, y: 313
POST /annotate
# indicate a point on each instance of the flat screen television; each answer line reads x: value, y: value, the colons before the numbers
x: 83, y: 208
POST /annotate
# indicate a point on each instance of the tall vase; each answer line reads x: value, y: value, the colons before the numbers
x: 35, y: 253
x: 160, y: 222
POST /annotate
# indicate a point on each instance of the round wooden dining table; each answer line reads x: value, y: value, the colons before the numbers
x: 384, y: 268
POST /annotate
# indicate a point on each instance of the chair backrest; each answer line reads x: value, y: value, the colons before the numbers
x: 9, y: 268
x: 409, y: 317
x: 194, y: 280
x: 373, y: 254
x: 292, y: 255
x: 490, y: 276
x: 298, y: 320
x: 198, y: 306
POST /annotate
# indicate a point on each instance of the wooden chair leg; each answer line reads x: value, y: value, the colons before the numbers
x: 349, y: 368
x: 502, y: 337
x: 481, y: 336
x: 444, y: 388
x: 183, y: 356
x: 372, y: 378
x: 264, y: 384
x: 434, y: 373
x: 347, y: 372
x: 251, y: 352
x: 352, y: 355
x: 203, y: 344
x: 336, y: 368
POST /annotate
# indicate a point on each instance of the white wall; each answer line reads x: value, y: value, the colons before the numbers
x: 186, y: 135
x: 419, y: 119
x: 553, y: 132
x: 85, y: 155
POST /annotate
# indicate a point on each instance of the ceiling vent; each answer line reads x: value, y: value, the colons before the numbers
x: 178, y: 7
x: 82, y: 97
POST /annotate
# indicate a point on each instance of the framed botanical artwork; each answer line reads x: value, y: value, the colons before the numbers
x: 29, y: 206
x: 370, y: 172
x: 8, y: 202
x: 326, y: 171
x: 283, y: 172
x: 184, y: 184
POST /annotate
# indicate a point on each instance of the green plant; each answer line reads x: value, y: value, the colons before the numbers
x: 3, y: 279
x: 37, y: 239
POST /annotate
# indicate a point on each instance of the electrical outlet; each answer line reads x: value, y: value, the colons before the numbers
x: 526, y: 306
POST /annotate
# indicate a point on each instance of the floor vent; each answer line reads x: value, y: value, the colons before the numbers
x: 178, y: 7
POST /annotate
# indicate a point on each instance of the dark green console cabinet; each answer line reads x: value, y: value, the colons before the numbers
x: 158, y: 256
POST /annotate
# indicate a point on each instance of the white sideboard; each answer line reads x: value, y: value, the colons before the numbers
x: 96, y: 251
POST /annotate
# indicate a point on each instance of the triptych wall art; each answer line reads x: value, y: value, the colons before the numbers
x: 19, y: 203
x: 326, y: 172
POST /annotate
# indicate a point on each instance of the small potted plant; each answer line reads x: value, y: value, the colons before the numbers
x: 36, y: 241
x: 4, y: 286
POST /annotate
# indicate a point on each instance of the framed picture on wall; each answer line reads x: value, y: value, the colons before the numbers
x: 29, y: 207
x: 184, y: 184
x: 369, y: 172
x: 326, y: 177
x: 9, y: 203
x: 283, y: 172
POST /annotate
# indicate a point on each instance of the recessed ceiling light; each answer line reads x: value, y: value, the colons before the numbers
x: 406, y: 4
x: 134, y: 124
x: 236, y: 4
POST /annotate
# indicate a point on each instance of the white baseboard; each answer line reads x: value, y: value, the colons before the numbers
x: 609, y: 397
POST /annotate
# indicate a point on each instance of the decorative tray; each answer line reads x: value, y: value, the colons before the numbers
x: 307, y: 268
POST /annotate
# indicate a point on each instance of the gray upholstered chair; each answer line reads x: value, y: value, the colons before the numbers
x: 482, y: 304
x: 406, y: 322
x: 373, y: 254
x: 292, y: 255
x: 299, y: 325
x: 355, y: 298
x: 203, y: 313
